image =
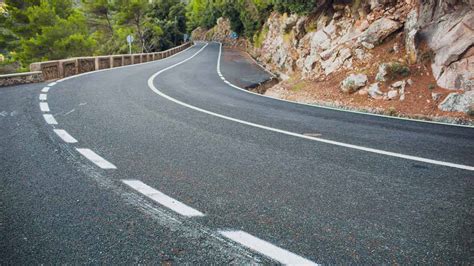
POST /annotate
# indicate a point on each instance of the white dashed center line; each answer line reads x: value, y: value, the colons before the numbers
x: 65, y: 136
x: 96, y: 159
x: 50, y: 119
x: 44, y: 107
x: 162, y: 199
x: 43, y: 97
x: 52, y: 84
x: 265, y: 248
x: 45, y: 89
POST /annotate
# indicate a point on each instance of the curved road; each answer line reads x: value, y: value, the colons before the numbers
x: 168, y: 162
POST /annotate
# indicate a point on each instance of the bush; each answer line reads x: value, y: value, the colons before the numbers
x: 296, y: 6
x: 396, y: 70
x: 259, y: 37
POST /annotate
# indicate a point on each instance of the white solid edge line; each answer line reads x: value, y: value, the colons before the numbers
x: 162, y: 198
x: 45, y: 89
x: 393, y: 154
x: 132, y: 65
x: 50, y: 119
x: 96, y: 159
x: 66, y: 137
x: 327, y: 107
x: 43, y: 97
x: 281, y: 255
x: 44, y: 107
x: 52, y: 84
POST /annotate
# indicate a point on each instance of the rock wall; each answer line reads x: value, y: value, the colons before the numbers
x: 21, y: 78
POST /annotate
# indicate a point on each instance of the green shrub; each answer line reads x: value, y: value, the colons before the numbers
x: 260, y: 37
x: 392, y: 111
x: 396, y: 70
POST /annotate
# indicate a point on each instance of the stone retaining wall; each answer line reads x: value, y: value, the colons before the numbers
x: 21, y: 78
x: 49, y: 70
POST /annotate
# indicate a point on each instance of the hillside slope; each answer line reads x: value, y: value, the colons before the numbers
x: 395, y: 57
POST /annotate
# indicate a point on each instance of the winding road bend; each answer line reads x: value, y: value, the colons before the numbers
x: 169, y: 162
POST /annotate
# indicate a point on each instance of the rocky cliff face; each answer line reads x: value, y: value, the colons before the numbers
x: 395, y: 45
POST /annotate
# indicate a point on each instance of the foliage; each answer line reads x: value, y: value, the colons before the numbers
x: 258, y: 38
x: 42, y: 30
x: 294, y: 6
x: 34, y: 30
x: 396, y: 70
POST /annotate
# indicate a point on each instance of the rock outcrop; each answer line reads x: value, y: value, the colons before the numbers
x: 345, y: 38
x: 448, y: 29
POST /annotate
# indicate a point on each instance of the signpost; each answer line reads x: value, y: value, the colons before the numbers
x: 130, y: 40
x: 185, y: 37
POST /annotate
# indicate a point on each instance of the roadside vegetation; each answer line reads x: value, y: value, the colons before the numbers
x: 39, y: 30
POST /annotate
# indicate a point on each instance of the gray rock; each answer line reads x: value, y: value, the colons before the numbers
x: 450, y: 37
x: 382, y: 73
x: 374, y: 91
x: 379, y: 30
x: 458, y: 75
x: 368, y: 45
x: 456, y: 102
x: 410, y: 82
x: 392, y: 94
x: 361, y: 54
x: 337, y: 61
x: 411, y: 30
x: 398, y: 84
x: 353, y: 82
x: 401, y: 91
x: 436, y: 96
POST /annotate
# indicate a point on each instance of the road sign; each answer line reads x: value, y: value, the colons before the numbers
x: 234, y: 35
x: 185, y: 37
x: 129, y: 40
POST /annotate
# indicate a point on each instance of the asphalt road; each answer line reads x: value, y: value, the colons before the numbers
x: 312, y: 184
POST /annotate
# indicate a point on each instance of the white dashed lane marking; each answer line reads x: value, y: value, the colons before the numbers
x: 263, y: 247
x: 43, y: 97
x: 45, y: 89
x: 44, y: 107
x: 65, y: 136
x: 96, y: 159
x: 50, y: 119
x: 162, y: 199
x: 52, y: 84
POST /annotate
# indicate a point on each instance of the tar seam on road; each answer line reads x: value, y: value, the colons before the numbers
x: 327, y: 107
x: 341, y: 144
x: 281, y: 255
x: 65, y: 136
x: 96, y: 159
x: 162, y: 198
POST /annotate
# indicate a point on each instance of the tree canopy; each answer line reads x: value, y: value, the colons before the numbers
x: 36, y: 30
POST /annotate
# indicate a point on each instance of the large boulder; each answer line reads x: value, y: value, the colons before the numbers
x: 353, y: 83
x: 448, y: 27
x: 375, y: 92
x: 457, y: 102
x: 411, y: 30
x: 379, y: 30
